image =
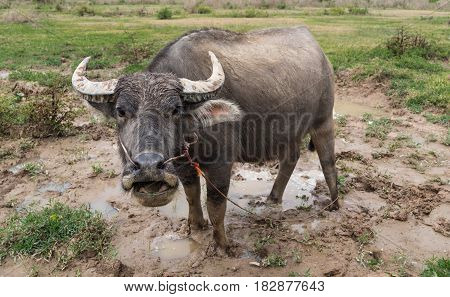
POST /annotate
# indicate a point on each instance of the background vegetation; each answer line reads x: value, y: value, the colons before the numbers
x: 41, y: 41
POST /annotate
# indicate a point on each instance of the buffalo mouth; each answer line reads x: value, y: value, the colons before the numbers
x: 152, y: 189
x: 152, y: 193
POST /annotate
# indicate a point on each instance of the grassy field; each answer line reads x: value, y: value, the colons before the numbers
x: 43, y: 43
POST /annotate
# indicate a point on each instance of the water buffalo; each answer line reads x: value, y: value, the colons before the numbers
x: 268, y: 90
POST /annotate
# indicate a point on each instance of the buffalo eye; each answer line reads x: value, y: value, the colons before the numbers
x: 120, y: 112
x: 177, y: 110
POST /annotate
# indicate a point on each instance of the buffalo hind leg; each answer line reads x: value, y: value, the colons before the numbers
x: 218, y: 180
x: 287, y: 164
x: 323, y: 140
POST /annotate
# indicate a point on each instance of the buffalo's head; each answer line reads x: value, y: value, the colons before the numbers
x: 154, y: 113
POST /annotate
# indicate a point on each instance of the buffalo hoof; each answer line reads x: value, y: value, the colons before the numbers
x: 198, y: 224
x: 273, y: 200
x: 334, y: 206
x: 229, y: 250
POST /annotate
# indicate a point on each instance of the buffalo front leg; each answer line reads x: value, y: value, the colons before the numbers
x: 287, y: 165
x: 323, y: 139
x: 192, y: 188
x: 218, y: 182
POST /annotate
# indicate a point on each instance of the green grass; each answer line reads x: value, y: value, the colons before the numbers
x: 374, y: 264
x: 260, y: 243
x: 401, y: 141
x: 446, y: 140
x: 342, y: 120
x: 48, y: 79
x: 56, y: 230
x: 377, y: 128
x: 443, y: 119
x: 33, y: 168
x: 57, y: 40
x: 365, y: 238
x: 437, y: 267
x: 274, y: 260
x: 97, y: 169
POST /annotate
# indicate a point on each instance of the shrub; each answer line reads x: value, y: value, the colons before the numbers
x: 37, y: 116
x: 250, y: 13
x: 281, y: 5
x: 50, y: 116
x: 85, y: 11
x: 255, y: 13
x: 334, y: 11
x: 59, y: 7
x: 230, y: 5
x: 264, y: 5
x: 203, y: 9
x: 358, y: 10
x: 44, y: 1
x: 405, y: 41
x: 5, y: 4
x: 164, y: 13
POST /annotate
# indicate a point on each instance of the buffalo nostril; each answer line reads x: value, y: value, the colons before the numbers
x: 161, y: 165
x: 149, y: 160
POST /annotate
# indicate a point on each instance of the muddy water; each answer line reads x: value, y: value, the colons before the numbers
x: 411, y: 238
x: 98, y: 198
x: 355, y: 109
x: 4, y: 74
x: 251, y: 193
x: 55, y: 187
x: 172, y: 246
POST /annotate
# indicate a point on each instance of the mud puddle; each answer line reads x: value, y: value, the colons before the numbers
x: 355, y: 109
x: 172, y: 247
x: 100, y: 198
x: 251, y: 193
x: 4, y: 74
x: 55, y: 187
x: 411, y: 238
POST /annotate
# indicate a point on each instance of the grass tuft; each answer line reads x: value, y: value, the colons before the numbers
x: 164, y: 13
x: 274, y: 260
x: 437, y: 267
x: 33, y: 168
x: 56, y: 230
x: 97, y: 169
x: 377, y: 128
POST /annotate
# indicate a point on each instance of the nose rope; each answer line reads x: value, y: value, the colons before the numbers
x: 184, y: 151
x: 126, y: 152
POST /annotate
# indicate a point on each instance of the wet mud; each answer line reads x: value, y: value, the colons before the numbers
x: 390, y: 211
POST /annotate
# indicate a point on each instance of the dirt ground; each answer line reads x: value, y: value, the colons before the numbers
x: 395, y: 210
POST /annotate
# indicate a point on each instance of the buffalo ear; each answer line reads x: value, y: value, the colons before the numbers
x: 214, y: 112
